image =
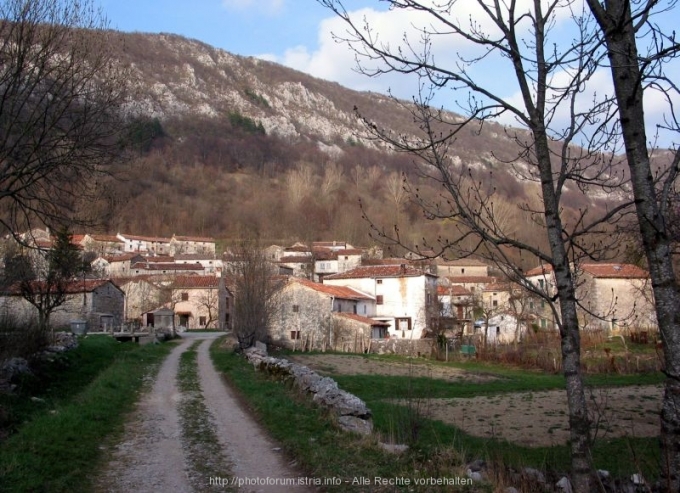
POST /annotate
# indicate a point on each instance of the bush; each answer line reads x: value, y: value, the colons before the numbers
x: 20, y: 338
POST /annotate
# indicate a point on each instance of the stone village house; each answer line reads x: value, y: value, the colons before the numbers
x: 97, y: 301
x: 198, y: 302
x: 613, y: 296
x: 307, y: 316
x: 405, y: 296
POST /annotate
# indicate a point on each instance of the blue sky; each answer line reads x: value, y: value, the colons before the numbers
x: 297, y: 33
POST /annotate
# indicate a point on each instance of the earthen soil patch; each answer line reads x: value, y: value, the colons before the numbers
x: 531, y: 419
x: 538, y: 419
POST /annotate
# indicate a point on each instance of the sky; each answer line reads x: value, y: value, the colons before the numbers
x: 299, y: 34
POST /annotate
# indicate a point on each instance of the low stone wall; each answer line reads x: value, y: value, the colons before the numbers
x: 351, y: 412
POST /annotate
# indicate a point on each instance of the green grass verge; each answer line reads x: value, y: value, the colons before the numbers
x: 86, y: 396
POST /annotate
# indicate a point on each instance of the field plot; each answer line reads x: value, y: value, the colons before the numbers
x: 534, y: 419
x: 358, y: 365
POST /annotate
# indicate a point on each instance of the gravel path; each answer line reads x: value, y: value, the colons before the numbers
x: 151, y: 458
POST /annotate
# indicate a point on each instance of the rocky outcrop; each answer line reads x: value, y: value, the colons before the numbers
x: 352, y: 413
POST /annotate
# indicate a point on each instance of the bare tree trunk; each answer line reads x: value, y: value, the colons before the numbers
x: 617, y: 24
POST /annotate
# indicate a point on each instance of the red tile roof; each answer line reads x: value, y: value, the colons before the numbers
x: 106, y: 238
x: 73, y: 287
x: 360, y: 319
x: 374, y: 271
x: 153, y: 239
x: 465, y: 262
x: 199, y: 239
x: 471, y: 279
x: 540, y: 270
x: 385, y: 261
x: 189, y: 282
x: 453, y: 291
x: 296, y: 259
x: 173, y: 267
x: 624, y: 271
x: 335, y: 291
x: 607, y: 270
x: 122, y: 257
x: 159, y: 259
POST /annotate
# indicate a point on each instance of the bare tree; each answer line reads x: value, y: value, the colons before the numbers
x: 633, y: 73
x: 61, y: 95
x: 256, y: 293
x: 558, y: 148
x: 47, y: 289
x: 208, y: 300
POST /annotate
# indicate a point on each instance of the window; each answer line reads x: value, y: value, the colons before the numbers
x: 296, y: 308
x: 403, y: 323
x: 201, y: 321
x: 462, y: 271
x: 379, y: 281
x: 540, y: 283
x: 495, y: 303
x: 379, y: 299
x: 498, y: 331
x: 544, y: 323
x: 185, y: 296
x: 295, y: 334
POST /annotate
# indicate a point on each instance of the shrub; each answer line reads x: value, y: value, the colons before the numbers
x: 20, y: 337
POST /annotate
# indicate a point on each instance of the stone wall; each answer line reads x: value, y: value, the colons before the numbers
x: 351, y: 412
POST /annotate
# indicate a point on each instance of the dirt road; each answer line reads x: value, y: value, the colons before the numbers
x: 153, y: 454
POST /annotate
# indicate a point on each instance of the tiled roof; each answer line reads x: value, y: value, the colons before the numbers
x: 361, y: 319
x: 188, y: 282
x: 336, y: 291
x: 608, y: 270
x: 73, y: 287
x: 624, y: 271
x: 173, y: 267
x: 540, y: 270
x: 159, y: 259
x: 329, y: 244
x: 300, y: 248
x: 195, y: 256
x: 463, y: 262
x: 374, y: 271
x: 199, y: 239
x: 153, y: 239
x: 471, y: 279
x: 498, y: 286
x: 453, y: 291
x: 385, y: 261
x: 106, y: 238
x: 120, y: 258
x: 295, y: 259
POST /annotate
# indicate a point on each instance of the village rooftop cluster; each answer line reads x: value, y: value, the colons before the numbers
x: 332, y: 295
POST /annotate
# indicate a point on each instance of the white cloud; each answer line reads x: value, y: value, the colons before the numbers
x: 334, y: 60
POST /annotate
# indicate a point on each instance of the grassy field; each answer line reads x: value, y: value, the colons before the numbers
x: 436, y: 449
x: 61, y: 417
